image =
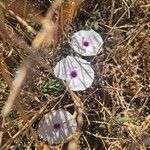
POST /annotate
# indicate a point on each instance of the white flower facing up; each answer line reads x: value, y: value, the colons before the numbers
x: 57, y: 127
x: 76, y: 71
x: 87, y: 42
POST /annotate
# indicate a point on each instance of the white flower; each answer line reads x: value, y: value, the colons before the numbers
x: 87, y: 42
x: 76, y: 71
x: 57, y: 126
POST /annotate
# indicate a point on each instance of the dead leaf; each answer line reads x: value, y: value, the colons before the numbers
x: 69, y: 11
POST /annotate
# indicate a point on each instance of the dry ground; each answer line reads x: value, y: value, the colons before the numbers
x: 117, y: 106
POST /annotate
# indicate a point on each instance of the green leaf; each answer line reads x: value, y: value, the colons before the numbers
x: 2, y: 87
x: 122, y: 119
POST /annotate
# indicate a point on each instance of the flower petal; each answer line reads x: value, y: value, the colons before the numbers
x: 85, y: 73
x: 59, y: 70
x: 81, y: 83
x: 95, y: 42
x: 46, y: 129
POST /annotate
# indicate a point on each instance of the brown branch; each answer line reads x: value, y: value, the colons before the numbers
x: 48, y: 28
x: 22, y: 71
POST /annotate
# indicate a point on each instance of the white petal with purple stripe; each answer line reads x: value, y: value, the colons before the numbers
x: 87, y: 42
x: 57, y: 126
x: 76, y: 71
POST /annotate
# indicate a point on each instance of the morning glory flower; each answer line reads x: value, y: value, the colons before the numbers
x: 57, y: 127
x: 76, y: 71
x: 87, y: 42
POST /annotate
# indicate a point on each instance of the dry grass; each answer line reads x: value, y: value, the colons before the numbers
x: 114, y: 113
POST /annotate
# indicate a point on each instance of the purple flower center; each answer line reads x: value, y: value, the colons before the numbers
x: 57, y: 126
x: 86, y: 43
x: 73, y: 74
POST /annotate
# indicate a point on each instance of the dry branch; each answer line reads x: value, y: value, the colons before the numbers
x: 22, y: 72
x: 44, y: 38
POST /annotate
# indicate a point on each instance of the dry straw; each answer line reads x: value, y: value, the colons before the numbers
x: 22, y: 72
x: 48, y: 31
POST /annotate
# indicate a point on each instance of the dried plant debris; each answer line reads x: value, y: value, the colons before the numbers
x: 84, y: 60
x: 142, y: 143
